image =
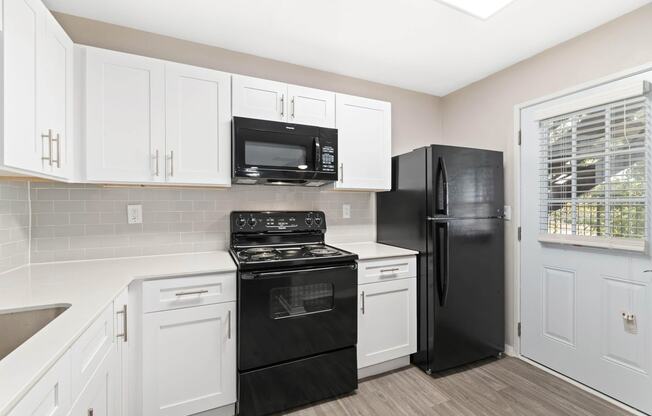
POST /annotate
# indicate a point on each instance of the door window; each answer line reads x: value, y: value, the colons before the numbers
x: 300, y: 300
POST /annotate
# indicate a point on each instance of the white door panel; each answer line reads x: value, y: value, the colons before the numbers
x: 311, y: 106
x: 125, y: 125
x: 198, y: 125
x: 573, y: 298
x: 259, y: 98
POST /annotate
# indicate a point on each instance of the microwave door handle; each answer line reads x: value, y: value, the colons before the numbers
x: 317, y: 154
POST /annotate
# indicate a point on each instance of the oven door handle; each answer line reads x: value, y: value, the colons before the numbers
x: 317, y: 154
x: 286, y: 272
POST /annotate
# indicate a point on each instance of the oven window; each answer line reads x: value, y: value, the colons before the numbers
x: 300, y: 300
x: 275, y: 154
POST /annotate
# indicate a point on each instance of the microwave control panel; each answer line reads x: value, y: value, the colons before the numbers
x: 328, y: 159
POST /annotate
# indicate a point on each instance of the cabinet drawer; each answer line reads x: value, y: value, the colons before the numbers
x: 88, y: 352
x: 51, y: 395
x: 379, y: 270
x: 182, y: 292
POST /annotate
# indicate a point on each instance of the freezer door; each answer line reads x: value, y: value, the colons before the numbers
x: 467, y: 300
x: 465, y: 183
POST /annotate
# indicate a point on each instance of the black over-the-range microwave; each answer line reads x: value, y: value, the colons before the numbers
x: 276, y: 153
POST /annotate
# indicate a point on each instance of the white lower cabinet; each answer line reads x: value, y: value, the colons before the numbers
x: 101, y: 397
x: 387, y: 313
x: 189, y: 360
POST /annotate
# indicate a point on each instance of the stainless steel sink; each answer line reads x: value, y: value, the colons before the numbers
x: 18, y: 325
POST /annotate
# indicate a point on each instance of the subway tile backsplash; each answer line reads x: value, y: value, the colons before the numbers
x: 75, y: 222
x: 14, y: 224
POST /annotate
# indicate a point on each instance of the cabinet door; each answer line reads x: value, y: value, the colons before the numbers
x: 51, y: 394
x: 121, y: 310
x: 192, y: 344
x: 259, y: 98
x: 21, y: 140
x: 54, y: 96
x: 364, y: 143
x: 311, y: 106
x: 125, y: 123
x: 100, y: 397
x: 386, y: 321
x: 198, y: 125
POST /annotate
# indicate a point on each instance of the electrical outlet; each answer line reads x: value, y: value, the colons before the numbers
x: 134, y: 214
x: 507, y: 212
x: 346, y: 211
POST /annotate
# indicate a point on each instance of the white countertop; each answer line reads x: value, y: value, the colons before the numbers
x: 89, y: 286
x: 369, y: 250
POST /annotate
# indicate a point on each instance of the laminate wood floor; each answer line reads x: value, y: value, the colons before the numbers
x: 493, y: 388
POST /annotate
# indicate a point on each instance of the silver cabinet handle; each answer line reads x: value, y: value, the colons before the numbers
x: 58, y: 161
x: 393, y: 269
x: 292, y: 102
x: 194, y: 292
x: 156, y: 162
x: 123, y: 312
x: 229, y: 323
x: 362, y: 302
x: 49, y: 137
x: 342, y: 172
x: 91, y: 412
x: 171, y: 162
x: 647, y: 271
x: 282, y: 105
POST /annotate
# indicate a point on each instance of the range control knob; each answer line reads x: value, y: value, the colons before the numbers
x: 309, y: 220
x: 252, y: 221
x: 317, y: 220
x: 241, y: 222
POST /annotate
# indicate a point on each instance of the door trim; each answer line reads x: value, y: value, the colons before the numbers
x: 515, y: 349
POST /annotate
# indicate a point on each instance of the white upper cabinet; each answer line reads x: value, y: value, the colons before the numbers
x: 55, y: 99
x: 311, y: 106
x: 259, y: 98
x: 276, y: 101
x: 125, y: 117
x: 37, y: 99
x: 364, y: 143
x: 152, y: 121
x: 198, y: 125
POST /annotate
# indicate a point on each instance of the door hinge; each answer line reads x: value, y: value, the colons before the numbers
x: 518, y: 329
x: 519, y: 233
x: 519, y: 137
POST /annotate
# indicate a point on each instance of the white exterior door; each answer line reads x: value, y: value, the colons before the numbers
x: 386, y: 321
x: 585, y: 312
x: 189, y: 360
x: 125, y: 117
x: 198, y: 125
x: 259, y: 98
x: 364, y: 143
x: 54, y: 92
x: 311, y: 106
x: 22, y: 141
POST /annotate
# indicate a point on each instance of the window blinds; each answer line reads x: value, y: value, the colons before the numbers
x: 593, y: 175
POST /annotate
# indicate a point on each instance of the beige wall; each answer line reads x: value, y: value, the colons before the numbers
x: 415, y: 116
x: 481, y: 115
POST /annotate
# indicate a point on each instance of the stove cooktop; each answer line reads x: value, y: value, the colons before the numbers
x: 295, y: 255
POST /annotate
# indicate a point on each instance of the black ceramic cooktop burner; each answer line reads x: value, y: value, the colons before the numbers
x: 259, y: 254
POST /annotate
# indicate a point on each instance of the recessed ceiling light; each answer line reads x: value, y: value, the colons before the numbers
x: 482, y: 9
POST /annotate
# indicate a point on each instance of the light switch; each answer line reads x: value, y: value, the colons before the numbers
x: 134, y: 214
x: 346, y: 211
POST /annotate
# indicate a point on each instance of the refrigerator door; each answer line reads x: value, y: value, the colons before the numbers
x: 465, y: 183
x: 467, y: 299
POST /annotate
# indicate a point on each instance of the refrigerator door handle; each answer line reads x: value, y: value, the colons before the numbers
x: 442, y: 266
x: 441, y: 191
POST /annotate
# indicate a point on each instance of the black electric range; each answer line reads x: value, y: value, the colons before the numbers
x: 297, y: 311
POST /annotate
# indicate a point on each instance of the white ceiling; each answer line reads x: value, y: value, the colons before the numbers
x: 421, y: 45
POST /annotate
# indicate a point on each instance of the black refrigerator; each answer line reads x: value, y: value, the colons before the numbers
x: 447, y: 203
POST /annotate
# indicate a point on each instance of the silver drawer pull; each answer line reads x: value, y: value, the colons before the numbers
x: 362, y: 302
x: 194, y: 292
x: 393, y: 269
x: 229, y: 322
x: 123, y: 312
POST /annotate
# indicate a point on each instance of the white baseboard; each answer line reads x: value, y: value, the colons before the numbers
x: 384, y: 367
x: 509, y: 350
x: 582, y: 386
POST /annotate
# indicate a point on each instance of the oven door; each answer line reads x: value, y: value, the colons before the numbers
x: 268, y: 149
x: 289, y: 314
